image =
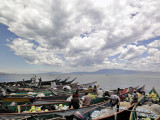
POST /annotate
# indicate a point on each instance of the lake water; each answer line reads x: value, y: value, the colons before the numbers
x: 106, y: 82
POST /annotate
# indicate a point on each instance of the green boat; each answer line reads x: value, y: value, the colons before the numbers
x: 68, y: 116
x: 134, y: 116
x: 21, y: 111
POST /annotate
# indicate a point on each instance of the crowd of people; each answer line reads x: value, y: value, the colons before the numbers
x: 86, y: 99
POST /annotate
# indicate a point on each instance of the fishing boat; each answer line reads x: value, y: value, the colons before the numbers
x: 63, y: 81
x: 87, y: 85
x: 69, y: 116
x: 43, y: 95
x: 22, y: 111
x: 142, y: 112
x: 69, y: 82
x: 104, y: 112
x: 58, y: 82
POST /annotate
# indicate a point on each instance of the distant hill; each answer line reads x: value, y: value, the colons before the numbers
x: 114, y: 71
x: 2, y: 73
x: 54, y: 72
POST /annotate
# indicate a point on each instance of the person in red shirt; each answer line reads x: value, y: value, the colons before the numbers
x: 76, y: 94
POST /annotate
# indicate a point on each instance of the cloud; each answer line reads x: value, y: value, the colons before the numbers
x: 155, y: 43
x: 80, y: 33
x: 132, y: 52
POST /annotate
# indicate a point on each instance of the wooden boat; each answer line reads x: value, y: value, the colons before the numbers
x: 43, y: 95
x: 121, y: 115
x: 27, y: 99
x: 22, y: 109
x: 15, y: 82
x: 70, y: 115
x: 63, y: 81
x: 57, y: 81
x: 86, y: 85
x: 133, y: 114
x: 52, y: 95
x: 69, y: 82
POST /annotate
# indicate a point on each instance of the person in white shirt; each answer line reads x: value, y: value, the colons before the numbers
x: 115, y: 100
x: 53, y: 85
x: 33, y: 80
x: 100, y: 93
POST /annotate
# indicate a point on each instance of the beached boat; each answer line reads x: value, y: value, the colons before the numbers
x: 104, y: 112
x: 145, y: 108
x: 69, y: 116
x: 69, y: 82
x: 43, y: 95
x: 64, y: 82
x: 87, y: 85
x: 22, y: 111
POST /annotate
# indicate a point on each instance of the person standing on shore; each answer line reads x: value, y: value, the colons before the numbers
x: 53, y: 85
x: 33, y: 80
x: 40, y: 81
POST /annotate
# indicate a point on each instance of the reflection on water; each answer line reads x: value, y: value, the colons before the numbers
x: 111, y: 81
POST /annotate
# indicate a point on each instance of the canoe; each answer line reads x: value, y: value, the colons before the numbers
x: 68, y: 117
x: 63, y: 81
x: 45, y: 96
x: 52, y: 95
x: 73, y: 86
x: 27, y: 99
x: 22, y: 109
x: 86, y: 85
x: 123, y: 114
x: 69, y: 82
x: 134, y: 114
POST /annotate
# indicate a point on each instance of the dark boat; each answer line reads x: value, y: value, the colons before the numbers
x: 69, y: 82
x: 151, y: 95
x: 63, y: 81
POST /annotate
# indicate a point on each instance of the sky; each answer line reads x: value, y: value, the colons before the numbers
x: 79, y: 35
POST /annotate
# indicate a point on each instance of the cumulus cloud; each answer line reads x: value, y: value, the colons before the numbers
x: 132, y: 52
x: 155, y: 43
x: 80, y: 33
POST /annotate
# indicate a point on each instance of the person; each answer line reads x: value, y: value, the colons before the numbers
x: 33, y: 80
x: 53, y: 85
x: 23, y: 82
x: 74, y: 102
x: 115, y: 100
x: 40, y: 81
x: 135, y: 97
x: 3, y: 92
x: 118, y: 92
x: 76, y: 94
x: 87, y: 100
x: 100, y: 93
x: 95, y: 90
